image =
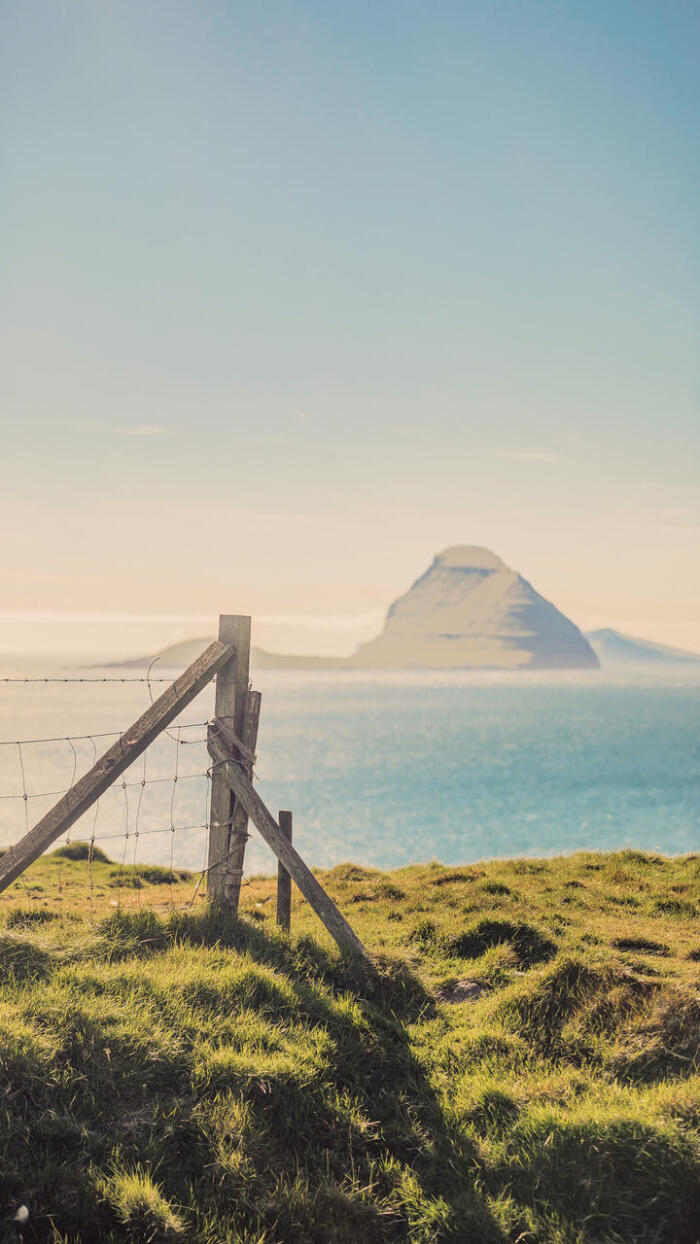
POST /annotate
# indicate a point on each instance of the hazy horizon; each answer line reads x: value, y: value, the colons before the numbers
x: 294, y: 298
x: 118, y: 636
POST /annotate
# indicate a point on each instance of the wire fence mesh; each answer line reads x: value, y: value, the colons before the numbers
x: 149, y: 829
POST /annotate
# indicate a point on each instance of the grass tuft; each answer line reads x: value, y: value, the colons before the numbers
x: 29, y: 917
x: 140, y: 1207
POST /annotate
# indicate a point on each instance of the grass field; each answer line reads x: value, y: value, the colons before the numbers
x: 523, y: 1065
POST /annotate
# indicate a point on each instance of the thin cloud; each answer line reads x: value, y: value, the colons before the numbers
x: 529, y: 455
x: 142, y: 429
x: 322, y: 622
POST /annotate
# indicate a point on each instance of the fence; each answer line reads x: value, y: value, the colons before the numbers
x: 231, y: 738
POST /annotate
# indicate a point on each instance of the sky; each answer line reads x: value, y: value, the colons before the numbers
x: 293, y: 295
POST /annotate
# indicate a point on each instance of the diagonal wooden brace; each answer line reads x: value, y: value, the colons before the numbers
x: 222, y: 750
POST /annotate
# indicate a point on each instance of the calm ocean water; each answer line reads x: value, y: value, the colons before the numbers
x: 384, y: 769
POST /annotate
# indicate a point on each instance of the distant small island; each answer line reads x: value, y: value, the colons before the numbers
x: 615, y: 649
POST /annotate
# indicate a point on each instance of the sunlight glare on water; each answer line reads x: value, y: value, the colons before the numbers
x: 387, y: 769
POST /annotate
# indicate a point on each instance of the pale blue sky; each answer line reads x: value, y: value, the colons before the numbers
x: 294, y: 294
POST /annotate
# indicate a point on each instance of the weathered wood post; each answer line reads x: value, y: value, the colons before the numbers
x: 231, y: 702
x: 239, y: 827
x: 284, y: 881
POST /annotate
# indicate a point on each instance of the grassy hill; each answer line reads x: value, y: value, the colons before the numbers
x: 522, y: 1066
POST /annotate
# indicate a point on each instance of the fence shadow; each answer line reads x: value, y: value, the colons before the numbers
x: 372, y: 1063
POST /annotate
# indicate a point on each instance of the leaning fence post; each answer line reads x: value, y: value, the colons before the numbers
x: 284, y: 881
x: 230, y: 704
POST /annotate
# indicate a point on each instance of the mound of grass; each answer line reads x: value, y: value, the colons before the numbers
x: 529, y: 944
x: 80, y: 851
x: 177, y: 1074
x: 136, y: 877
x: 670, y: 906
x: 495, y: 887
x: 22, y: 960
x: 27, y: 917
x: 643, y: 944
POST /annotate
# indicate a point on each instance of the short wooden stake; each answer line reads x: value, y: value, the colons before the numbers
x: 284, y: 881
x: 222, y: 749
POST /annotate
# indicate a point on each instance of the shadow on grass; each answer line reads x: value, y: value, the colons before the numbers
x: 343, y: 1136
x: 386, y: 983
x: 633, y: 1173
x: 274, y: 1093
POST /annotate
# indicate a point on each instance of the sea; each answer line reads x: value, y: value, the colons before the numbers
x: 382, y: 769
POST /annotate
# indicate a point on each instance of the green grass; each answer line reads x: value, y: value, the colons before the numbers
x: 171, y: 1073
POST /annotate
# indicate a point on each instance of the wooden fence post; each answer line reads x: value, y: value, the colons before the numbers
x: 239, y: 824
x: 284, y: 881
x: 230, y: 704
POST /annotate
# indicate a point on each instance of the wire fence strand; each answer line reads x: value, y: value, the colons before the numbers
x: 144, y: 815
x: 79, y: 680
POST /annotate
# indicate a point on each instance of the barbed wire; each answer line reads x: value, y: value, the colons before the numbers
x: 104, y: 734
x: 132, y: 830
x: 77, y: 680
x: 46, y: 794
